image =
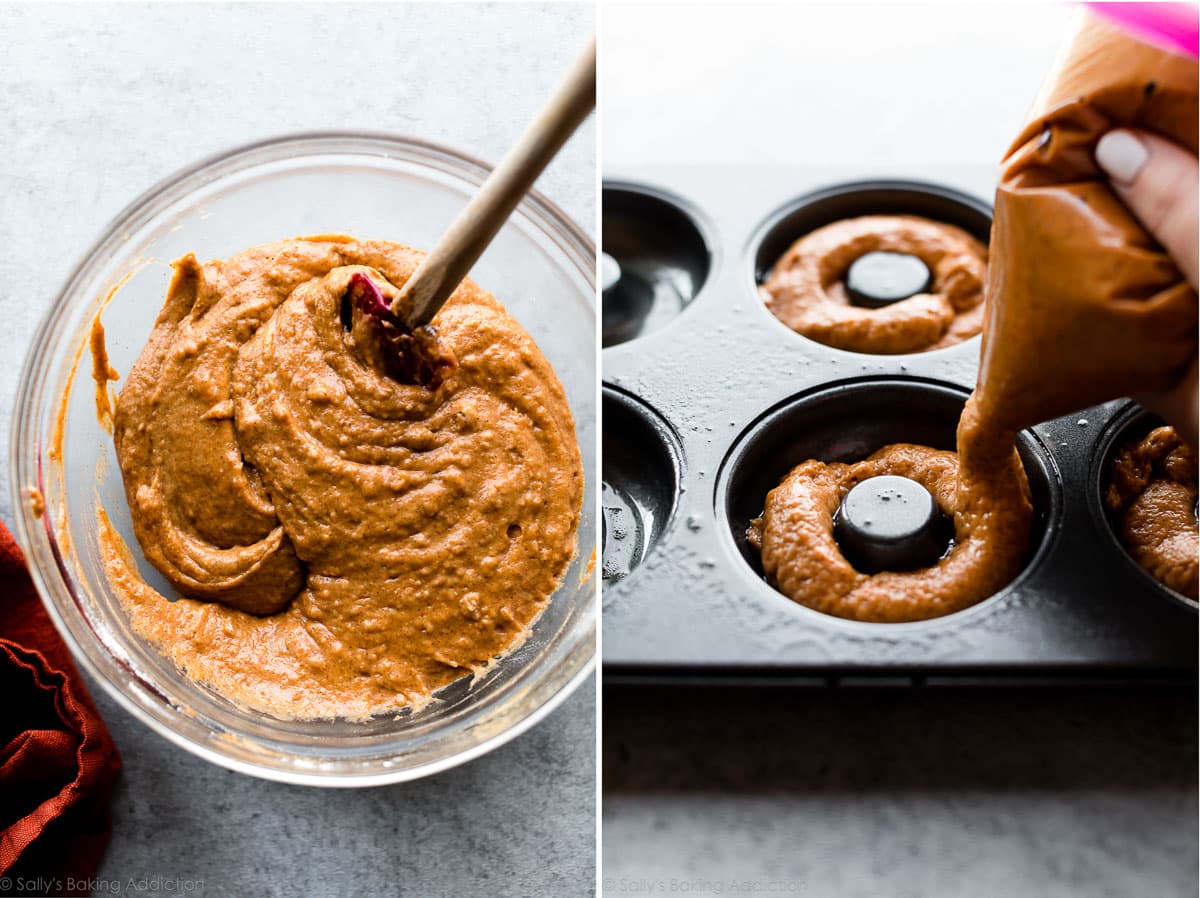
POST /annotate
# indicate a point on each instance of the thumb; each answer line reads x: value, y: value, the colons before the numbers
x: 1158, y: 180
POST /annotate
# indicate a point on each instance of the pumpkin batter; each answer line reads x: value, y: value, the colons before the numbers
x: 347, y: 542
x: 983, y: 491
x: 807, y: 291
x: 1152, y: 496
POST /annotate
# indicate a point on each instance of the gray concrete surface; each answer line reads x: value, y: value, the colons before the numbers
x: 858, y: 795
x: 98, y: 102
x: 1012, y: 795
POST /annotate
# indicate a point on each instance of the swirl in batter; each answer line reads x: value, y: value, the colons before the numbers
x: 807, y: 291
x: 1152, y: 498
x: 347, y: 542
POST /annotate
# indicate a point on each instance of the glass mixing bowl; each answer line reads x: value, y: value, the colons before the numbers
x: 541, y: 266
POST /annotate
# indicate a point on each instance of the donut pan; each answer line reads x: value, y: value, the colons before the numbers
x: 708, y: 400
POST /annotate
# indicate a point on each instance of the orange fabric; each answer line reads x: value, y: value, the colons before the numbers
x: 57, y: 760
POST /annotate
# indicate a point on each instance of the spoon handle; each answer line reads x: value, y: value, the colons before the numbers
x: 471, y: 232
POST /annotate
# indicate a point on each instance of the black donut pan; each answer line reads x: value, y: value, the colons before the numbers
x: 717, y: 399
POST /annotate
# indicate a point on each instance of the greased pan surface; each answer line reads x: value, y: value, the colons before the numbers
x: 712, y: 399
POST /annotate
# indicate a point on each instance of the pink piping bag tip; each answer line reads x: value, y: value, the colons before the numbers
x: 1171, y: 26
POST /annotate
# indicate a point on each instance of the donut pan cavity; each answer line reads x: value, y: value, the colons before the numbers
x: 641, y: 482
x: 665, y: 259
x: 1131, y: 423
x: 706, y: 410
x: 845, y: 422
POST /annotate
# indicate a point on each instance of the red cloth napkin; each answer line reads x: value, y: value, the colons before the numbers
x: 57, y: 761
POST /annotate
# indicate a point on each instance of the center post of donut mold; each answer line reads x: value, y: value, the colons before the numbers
x: 891, y: 523
x: 880, y: 278
x: 627, y: 301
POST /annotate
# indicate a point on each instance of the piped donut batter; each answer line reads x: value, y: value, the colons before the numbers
x: 1152, y: 496
x: 807, y: 288
x: 983, y: 491
x: 347, y: 542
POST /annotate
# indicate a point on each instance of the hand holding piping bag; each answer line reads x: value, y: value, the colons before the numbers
x: 1160, y: 183
x: 1091, y: 291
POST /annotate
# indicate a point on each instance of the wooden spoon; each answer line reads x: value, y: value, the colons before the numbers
x: 469, y: 235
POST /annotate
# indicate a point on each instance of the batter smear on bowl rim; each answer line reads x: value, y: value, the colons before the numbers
x: 355, y: 514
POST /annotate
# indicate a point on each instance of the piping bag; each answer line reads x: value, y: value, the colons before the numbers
x: 1083, y: 304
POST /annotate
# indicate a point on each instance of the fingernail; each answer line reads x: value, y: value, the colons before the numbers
x: 1121, y: 155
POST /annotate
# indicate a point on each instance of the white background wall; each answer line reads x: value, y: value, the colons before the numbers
x: 851, y: 82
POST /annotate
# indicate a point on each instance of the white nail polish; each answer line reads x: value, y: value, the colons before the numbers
x: 1121, y: 155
